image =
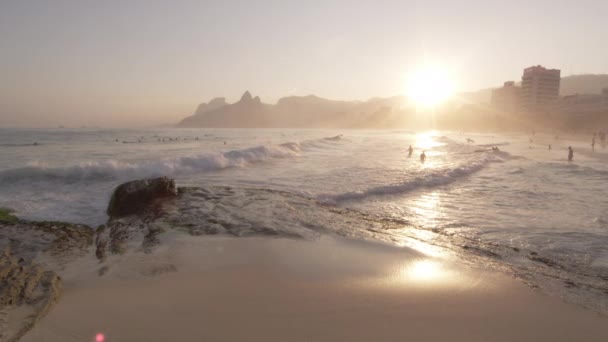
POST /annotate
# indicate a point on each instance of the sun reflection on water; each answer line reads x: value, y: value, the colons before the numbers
x: 426, y: 209
x: 423, y: 270
x: 426, y: 141
x: 430, y: 272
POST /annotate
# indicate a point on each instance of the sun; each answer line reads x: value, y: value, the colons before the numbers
x: 429, y: 86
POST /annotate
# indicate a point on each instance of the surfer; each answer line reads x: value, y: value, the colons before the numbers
x: 423, y: 157
x: 410, y: 151
x: 570, y: 153
x: 549, y: 147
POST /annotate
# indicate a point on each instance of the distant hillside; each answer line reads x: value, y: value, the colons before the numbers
x: 296, y: 111
x: 583, y: 84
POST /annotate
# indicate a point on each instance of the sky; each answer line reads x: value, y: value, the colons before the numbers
x: 146, y: 63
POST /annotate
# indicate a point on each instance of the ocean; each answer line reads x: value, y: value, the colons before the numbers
x: 524, y: 209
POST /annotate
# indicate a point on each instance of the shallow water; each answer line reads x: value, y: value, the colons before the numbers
x: 524, y: 207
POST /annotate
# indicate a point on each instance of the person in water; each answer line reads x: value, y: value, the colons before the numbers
x: 410, y: 151
x: 423, y: 157
x: 570, y: 153
x: 549, y: 146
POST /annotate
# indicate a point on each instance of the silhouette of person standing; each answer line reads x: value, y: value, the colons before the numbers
x: 410, y: 151
x: 570, y: 153
x: 423, y: 157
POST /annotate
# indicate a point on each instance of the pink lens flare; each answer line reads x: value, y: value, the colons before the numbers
x: 100, y: 337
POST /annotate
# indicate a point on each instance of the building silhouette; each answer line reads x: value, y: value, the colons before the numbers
x: 507, y: 98
x: 539, y: 88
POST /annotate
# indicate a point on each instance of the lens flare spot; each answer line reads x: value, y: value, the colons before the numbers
x: 100, y: 337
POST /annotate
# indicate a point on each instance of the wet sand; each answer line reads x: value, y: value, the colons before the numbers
x: 265, y: 289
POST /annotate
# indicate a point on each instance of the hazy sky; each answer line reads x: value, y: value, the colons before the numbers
x: 125, y: 63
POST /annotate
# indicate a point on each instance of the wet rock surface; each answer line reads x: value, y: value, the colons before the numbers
x: 137, y: 196
x: 32, y: 255
x: 27, y: 293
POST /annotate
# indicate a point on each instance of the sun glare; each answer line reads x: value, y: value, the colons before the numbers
x: 429, y: 86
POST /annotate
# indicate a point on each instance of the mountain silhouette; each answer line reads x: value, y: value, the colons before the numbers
x: 316, y: 112
x: 294, y: 111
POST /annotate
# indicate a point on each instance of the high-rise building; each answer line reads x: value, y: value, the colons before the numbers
x: 507, y: 98
x: 539, y: 88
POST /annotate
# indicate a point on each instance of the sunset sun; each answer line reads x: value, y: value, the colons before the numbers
x: 429, y: 86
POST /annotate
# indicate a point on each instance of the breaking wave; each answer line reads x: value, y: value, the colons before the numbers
x: 436, y: 178
x: 108, y: 170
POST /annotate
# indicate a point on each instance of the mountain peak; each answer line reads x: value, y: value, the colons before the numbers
x: 246, y: 97
x: 218, y: 101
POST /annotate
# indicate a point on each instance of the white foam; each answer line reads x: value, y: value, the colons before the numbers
x: 439, y: 177
x: 117, y: 169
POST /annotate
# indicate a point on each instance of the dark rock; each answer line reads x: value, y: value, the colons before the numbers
x: 25, y: 288
x: 103, y: 270
x: 133, y: 197
x: 101, y: 246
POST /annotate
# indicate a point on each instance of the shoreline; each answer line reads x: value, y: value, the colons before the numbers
x: 260, y: 289
x: 198, y: 254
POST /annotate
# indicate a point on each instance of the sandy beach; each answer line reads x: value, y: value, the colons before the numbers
x: 261, y: 289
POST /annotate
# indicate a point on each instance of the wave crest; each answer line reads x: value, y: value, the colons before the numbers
x: 439, y: 177
x: 113, y: 169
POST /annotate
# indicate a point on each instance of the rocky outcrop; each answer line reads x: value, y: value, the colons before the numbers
x: 33, y: 253
x: 27, y: 293
x: 136, y: 196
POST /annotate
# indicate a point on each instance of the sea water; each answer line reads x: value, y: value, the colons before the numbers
x: 525, y: 207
